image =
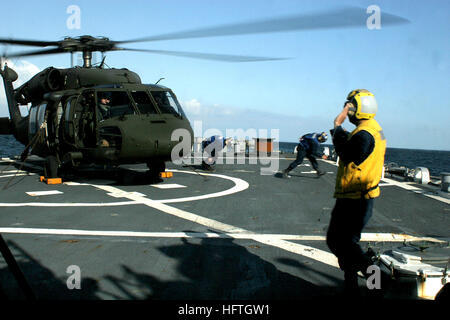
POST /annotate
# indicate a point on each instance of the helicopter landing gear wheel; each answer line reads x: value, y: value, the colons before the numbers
x: 51, y: 167
x: 155, y: 168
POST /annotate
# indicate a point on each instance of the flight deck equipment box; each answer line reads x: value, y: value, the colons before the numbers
x: 425, y: 270
x: 264, y: 145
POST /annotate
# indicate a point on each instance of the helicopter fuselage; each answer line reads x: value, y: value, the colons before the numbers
x: 82, y: 115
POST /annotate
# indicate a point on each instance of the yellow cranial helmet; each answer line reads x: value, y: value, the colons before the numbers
x: 365, y: 105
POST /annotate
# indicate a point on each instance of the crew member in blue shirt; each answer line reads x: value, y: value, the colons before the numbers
x: 211, y: 146
x: 308, y: 147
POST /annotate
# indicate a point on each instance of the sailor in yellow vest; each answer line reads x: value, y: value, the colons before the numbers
x: 361, y: 160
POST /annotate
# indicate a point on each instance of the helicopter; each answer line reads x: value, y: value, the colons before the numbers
x: 69, y: 125
x: 93, y: 114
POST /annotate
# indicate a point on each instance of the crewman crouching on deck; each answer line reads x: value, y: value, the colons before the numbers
x: 308, y: 147
x: 211, y: 147
x: 361, y: 159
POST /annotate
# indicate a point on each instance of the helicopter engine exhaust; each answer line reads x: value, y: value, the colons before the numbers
x: 48, y: 80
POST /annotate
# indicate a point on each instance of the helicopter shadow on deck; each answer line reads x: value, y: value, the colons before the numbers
x: 220, y: 269
x: 205, y: 268
x: 112, y: 176
x: 44, y: 284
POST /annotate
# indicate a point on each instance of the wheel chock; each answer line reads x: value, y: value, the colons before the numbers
x: 50, y: 180
x: 166, y: 174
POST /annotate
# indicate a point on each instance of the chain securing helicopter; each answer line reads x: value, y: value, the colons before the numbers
x: 71, y: 121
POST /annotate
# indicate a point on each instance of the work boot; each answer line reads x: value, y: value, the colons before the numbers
x: 351, y: 287
x: 320, y: 173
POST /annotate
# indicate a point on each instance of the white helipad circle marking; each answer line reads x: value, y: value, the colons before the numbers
x: 168, y: 186
x: 239, y: 185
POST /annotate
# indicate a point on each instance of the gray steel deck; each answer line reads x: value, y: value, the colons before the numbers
x: 229, y: 234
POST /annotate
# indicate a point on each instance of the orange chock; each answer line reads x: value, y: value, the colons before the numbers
x: 50, y: 180
x: 166, y: 174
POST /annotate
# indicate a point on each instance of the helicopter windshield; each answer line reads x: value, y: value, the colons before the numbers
x: 112, y: 104
x: 167, y: 103
x: 143, y: 102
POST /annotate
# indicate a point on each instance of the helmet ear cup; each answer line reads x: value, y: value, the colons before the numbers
x: 352, y: 110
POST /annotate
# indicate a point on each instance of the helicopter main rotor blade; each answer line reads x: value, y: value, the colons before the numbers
x: 347, y: 17
x: 205, y: 56
x: 36, y: 53
x: 33, y: 43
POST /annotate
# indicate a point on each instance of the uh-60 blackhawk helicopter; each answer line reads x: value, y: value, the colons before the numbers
x: 94, y: 114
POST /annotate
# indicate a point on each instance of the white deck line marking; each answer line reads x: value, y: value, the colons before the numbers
x: 271, y: 240
x: 120, y: 194
x: 15, y: 175
x: 43, y: 193
x: 74, y: 204
x: 405, y: 186
x: 307, y: 251
x: 416, y: 190
x: 314, y: 171
x: 381, y: 237
x: 168, y: 186
x: 173, y: 211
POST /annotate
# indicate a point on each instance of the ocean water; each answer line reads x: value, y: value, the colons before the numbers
x: 436, y: 161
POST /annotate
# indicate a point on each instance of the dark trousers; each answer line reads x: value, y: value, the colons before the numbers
x: 348, y: 219
x: 301, y: 154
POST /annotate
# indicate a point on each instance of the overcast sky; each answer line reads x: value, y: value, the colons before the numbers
x: 406, y: 66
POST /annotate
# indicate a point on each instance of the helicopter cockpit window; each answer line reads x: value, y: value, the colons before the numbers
x: 143, y: 102
x: 112, y: 104
x: 167, y: 103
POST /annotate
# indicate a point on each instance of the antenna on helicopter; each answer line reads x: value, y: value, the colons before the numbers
x: 103, y: 61
x: 159, y: 80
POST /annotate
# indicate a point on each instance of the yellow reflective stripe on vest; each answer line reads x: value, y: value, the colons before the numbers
x: 354, y: 181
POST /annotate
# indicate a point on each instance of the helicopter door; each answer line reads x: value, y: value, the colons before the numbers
x: 85, y: 120
x: 36, y: 119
